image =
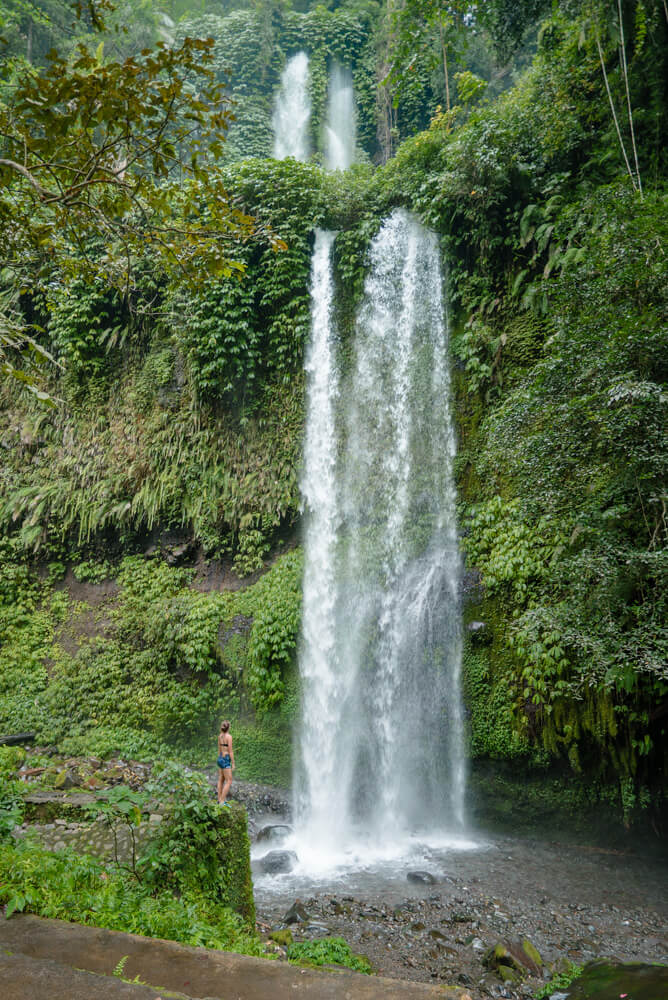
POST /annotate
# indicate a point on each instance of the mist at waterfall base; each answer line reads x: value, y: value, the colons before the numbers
x: 381, y: 771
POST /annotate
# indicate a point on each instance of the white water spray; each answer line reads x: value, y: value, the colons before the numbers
x: 292, y: 111
x: 382, y: 732
x: 319, y: 491
x: 340, y: 137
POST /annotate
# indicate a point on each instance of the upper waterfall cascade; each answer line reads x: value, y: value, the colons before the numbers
x: 381, y: 731
x: 340, y: 133
x: 292, y: 111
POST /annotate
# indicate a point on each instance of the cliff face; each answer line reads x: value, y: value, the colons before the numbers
x: 172, y: 456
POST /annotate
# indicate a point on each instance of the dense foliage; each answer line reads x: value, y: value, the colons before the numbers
x: 180, y: 407
x: 191, y: 884
x: 154, y: 666
x: 569, y: 525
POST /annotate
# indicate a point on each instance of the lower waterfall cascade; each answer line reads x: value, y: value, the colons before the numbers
x: 381, y: 756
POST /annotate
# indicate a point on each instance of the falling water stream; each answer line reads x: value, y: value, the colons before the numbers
x: 381, y: 739
x: 292, y: 111
x: 340, y: 137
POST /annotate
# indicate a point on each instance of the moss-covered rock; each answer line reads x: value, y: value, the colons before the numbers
x: 512, y: 960
x: 236, y: 883
x: 282, y: 937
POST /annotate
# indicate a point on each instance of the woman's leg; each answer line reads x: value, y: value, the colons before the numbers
x: 220, y: 785
x: 227, y: 774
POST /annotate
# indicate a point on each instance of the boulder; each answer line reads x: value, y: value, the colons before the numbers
x: 315, y: 930
x: 274, y: 831
x: 513, y: 960
x: 67, y: 779
x: 424, y: 878
x: 296, y: 914
x: 278, y: 862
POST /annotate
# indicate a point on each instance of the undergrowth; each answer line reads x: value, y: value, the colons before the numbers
x: 190, y: 884
x: 150, y: 670
x: 327, y: 951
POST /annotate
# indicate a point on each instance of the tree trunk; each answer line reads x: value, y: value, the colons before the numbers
x: 445, y: 65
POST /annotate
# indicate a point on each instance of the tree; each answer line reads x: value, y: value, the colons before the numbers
x: 425, y: 31
x: 107, y: 163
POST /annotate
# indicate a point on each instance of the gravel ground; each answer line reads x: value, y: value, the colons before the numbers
x: 574, y: 904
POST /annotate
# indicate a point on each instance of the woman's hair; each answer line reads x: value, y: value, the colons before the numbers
x: 224, y: 726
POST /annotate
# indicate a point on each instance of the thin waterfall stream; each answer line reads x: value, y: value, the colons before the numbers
x: 381, y: 746
x: 292, y: 111
x: 340, y: 130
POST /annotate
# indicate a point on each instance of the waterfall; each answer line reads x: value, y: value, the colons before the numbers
x: 321, y: 524
x: 340, y: 127
x: 382, y: 731
x: 292, y: 111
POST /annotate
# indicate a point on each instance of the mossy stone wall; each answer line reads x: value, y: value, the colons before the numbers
x: 235, y: 876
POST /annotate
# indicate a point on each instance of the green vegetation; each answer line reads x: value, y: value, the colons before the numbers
x: 68, y: 886
x: 190, y: 884
x: 178, y: 410
x: 327, y: 951
x: 560, y: 982
x: 153, y: 669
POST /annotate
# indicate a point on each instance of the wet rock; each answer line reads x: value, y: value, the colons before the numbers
x: 297, y: 914
x: 513, y: 960
x: 274, y: 831
x: 315, y: 930
x: 16, y: 739
x: 480, y: 633
x: 67, y: 779
x: 423, y: 878
x: 278, y: 862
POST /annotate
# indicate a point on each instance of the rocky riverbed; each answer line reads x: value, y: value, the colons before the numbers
x: 435, y: 915
x: 572, y: 905
x: 438, y: 914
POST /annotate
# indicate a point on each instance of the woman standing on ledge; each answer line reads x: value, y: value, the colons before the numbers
x: 225, y: 761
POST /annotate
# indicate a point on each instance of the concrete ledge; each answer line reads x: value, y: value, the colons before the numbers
x: 23, y: 978
x: 197, y: 972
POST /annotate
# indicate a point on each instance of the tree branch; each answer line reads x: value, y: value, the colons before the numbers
x: 43, y: 192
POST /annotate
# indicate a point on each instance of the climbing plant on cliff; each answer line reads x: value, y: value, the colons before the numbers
x: 579, y: 552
